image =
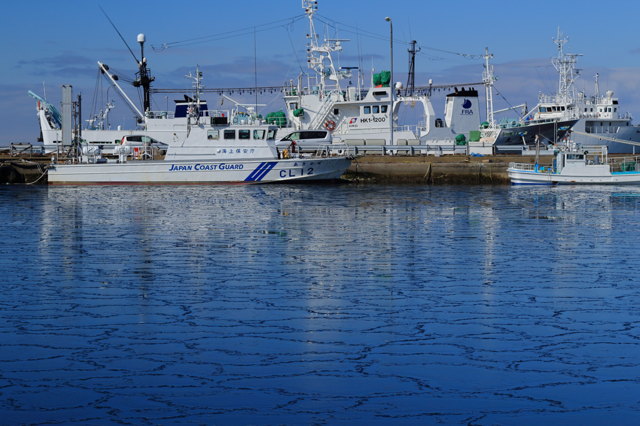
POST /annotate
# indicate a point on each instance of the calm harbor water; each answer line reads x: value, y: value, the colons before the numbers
x: 313, y: 304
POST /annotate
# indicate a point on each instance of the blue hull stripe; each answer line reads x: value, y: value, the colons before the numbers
x: 255, y: 172
x: 261, y: 171
x: 270, y: 165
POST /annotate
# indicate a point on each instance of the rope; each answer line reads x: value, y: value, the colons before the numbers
x: 44, y: 173
x: 229, y: 34
x: 355, y: 30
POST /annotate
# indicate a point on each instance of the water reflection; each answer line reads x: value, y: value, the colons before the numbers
x: 317, y: 304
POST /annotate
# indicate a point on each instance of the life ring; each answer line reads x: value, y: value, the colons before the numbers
x: 330, y: 125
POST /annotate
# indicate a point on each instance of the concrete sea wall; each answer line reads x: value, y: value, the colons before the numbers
x: 454, y: 169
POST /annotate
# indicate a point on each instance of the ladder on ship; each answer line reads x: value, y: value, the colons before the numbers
x: 324, y: 113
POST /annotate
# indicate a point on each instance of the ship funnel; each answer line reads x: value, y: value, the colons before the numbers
x: 462, y: 110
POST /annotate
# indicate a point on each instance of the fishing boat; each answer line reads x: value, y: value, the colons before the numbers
x: 599, y: 118
x: 503, y: 136
x: 161, y: 126
x: 217, y: 148
x: 385, y: 113
x: 588, y: 165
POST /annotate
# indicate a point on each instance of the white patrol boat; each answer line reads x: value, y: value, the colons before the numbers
x: 588, y: 165
x: 213, y: 151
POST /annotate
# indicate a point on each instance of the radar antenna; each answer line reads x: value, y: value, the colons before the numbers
x: 143, y: 76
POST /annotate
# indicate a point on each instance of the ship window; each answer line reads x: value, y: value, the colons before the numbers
x: 271, y: 135
x: 543, y: 109
x: 383, y: 109
x: 293, y: 105
x: 258, y: 134
x: 336, y: 111
x: 213, y: 135
x: 615, y: 109
x: 244, y: 134
x: 376, y: 109
x: 366, y: 110
x: 562, y: 108
x: 229, y: 134
x: 591, y: 110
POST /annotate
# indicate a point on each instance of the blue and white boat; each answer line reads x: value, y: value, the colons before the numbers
x: 216, y: 148
x: 588, y: 165
x: 210, y: 154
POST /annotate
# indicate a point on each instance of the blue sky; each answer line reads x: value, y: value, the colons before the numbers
x: 47, y: 44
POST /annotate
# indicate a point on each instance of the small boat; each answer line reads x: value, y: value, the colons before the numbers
x: 587, y: 165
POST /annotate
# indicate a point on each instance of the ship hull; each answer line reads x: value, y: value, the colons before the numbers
x: 543, y: 132
x: 199, y: 172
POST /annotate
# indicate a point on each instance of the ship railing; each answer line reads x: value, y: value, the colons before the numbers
x: 624, y: 164
x: 335, y: 149
x: 139, y: 153
x: 316, y: 151
x: 414, y: 128
x: 16, y: 149
x: 160, y: 114
x: 426, y: 149
x: 530, y: 167
x: 519, y: 123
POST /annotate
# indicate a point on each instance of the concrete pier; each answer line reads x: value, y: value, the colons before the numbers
x: 450, y: 169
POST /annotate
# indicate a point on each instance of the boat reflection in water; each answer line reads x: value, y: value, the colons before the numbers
x: 316, y: 303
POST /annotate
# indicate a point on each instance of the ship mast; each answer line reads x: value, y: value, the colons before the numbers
x: 194, y: 109
x: 488, y: 79
x: 144, y: 78
x: 565, y: 64
x: 411, y: 79
x: 319, y: 55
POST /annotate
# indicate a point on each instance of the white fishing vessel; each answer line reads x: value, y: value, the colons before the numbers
x: 599, y: 118
x: 160, y: 126
x: 588, y: 165
x: 332, y: 97
x: 526, y: 132
x: 214, y: 150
